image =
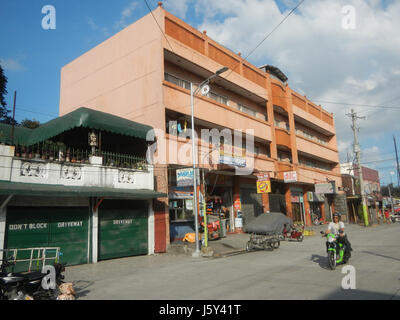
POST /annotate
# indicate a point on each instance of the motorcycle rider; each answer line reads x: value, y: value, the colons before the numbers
x: 337, y: 228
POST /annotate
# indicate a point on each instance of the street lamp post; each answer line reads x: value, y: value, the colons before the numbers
x: 390, y: 194
x: 192, y: 95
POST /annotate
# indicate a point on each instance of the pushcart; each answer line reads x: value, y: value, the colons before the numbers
x: 266, y: 230
x: 262, y: 241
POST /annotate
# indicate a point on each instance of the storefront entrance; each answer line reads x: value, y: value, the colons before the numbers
x: 251, y: 202
x: 297, y: 206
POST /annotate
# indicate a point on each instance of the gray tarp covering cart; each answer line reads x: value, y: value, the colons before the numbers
x: 266, y: 229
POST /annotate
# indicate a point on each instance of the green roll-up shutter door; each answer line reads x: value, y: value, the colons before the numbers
x: 69, y: 231
x: 123, y: 229
x: 67, y: 228
x: 26, y: 228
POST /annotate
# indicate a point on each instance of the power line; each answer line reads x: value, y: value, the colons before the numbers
x: 151, y: 12
x: 266, y: 37
x: 379, y: 161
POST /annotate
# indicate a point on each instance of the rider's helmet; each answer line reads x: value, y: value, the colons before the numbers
x: 337, y: 214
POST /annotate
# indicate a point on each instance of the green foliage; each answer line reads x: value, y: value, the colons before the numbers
x: 30, y: 124
x: 395, y: 191
x: 4, y: 112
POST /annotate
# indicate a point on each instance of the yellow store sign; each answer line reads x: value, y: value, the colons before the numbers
x: 263, y: 183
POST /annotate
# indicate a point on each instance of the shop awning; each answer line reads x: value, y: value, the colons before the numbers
x: 21, y: 134
x: 88, y: 118
x: 47, y: 190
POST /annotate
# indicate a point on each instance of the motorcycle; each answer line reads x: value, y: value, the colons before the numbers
x: 336, y: 251
x: 292, y: 233
x: 27, y: 286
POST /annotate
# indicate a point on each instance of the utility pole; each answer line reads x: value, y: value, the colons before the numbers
x: 357, y: 151
x: 390, y: 194
x: 13, y: 118
x: 397, y: 161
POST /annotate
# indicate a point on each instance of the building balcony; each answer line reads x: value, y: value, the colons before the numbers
x: 91, y: 172
x: 313, y: 120
x: 317, y: 150
x: 282, y: 137
x: 281, y: 168
x: 178, y: 99
x: 313, y: 176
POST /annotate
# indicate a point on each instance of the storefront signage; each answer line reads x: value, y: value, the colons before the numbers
x: 290, y: 176
x: 28, y: 226
x: 263, y: 183
x: 189, y: 204
x: 123, y: 221
x: 235, y: 159
x: 180, y: 193
x: 315, y: 197
x: 69, y: 224
x: 325, y: 188
x: 237, y: 205
x: 295, y: 199
x: 184, y: 177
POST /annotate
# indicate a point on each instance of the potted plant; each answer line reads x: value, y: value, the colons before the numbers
x: 61, y: 151
x: 30, y: 153
x: 52, y: 149
x: 73, y: 157
x: 18, y: 151
x: 46, y: 149
x: 23, y: 152
x: 67, y: 157
x: 36, y: 151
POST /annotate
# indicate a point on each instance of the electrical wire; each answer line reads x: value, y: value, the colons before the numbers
x: 266, y: 37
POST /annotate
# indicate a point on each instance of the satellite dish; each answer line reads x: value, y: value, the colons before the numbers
x: 205, y: 90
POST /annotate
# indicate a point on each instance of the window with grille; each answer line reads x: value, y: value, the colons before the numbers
x: 178, y: 81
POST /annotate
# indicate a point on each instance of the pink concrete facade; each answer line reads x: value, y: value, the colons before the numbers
x: 126, y: 76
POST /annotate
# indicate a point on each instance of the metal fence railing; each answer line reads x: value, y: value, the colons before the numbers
x: 30, y: 258
x: 123, y: 161
x: 58, y: 152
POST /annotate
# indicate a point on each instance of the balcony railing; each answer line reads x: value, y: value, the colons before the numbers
x: 123, y: 161
x: 111, y: 170
x: 53, y: 152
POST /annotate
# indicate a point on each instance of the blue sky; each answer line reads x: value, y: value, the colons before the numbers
x: 321, y: 60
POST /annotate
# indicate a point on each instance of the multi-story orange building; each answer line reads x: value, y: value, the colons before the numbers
x: 143, y: 73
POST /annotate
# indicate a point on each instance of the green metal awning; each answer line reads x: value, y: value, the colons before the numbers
x: 47, y: 190
x: 21, y: 134
x: 88, y: 118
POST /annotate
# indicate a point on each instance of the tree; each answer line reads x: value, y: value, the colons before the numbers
x: 395, y: 191
x: 4, y: 117
x: 30, y: 124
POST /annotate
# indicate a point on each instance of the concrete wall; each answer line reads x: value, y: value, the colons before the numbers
x: 121, y: 76
x: 69, y: 174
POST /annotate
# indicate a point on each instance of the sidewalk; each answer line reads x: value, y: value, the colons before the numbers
x: 231, y: 243
x: 236, y: 242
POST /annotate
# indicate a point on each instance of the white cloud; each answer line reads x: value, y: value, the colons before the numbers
x: 126, y: 13
x: 177, y: 7
x: 343, y: 146
x: 95, y: 27
x: 11, y: 64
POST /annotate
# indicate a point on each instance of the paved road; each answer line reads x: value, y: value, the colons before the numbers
x: 294, y: 271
